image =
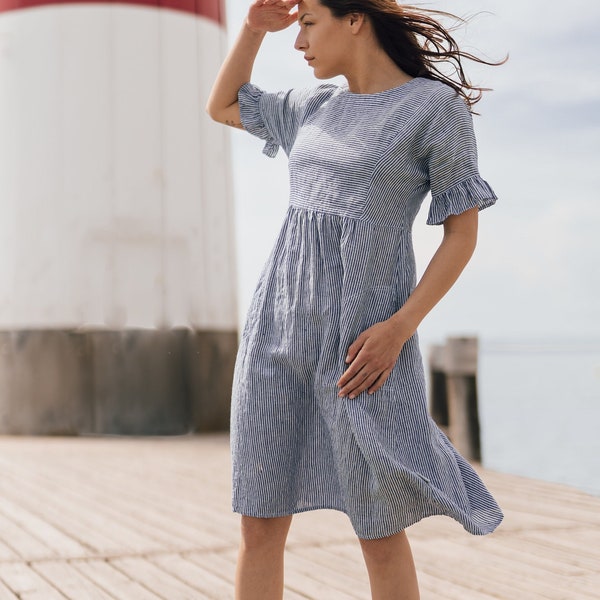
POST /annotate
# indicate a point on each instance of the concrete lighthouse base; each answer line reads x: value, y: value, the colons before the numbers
x: 132, y: 382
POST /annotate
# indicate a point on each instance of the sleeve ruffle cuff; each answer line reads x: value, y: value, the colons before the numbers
x: 470, y: 193
x: 249, y: 99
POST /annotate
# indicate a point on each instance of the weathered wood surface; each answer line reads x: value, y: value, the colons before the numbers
x: 149, y: 519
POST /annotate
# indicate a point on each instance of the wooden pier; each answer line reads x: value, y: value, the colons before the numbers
x: 149, y: 519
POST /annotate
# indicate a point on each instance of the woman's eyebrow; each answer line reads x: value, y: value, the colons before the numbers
x: 302, y: 17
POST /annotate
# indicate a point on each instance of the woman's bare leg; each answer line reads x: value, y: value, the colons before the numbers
x: 391, y: 568
x: 259, y: 574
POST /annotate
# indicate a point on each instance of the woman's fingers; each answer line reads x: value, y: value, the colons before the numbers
x: 271, y: 16
x: 354, y: 349
x: 352, y: 371
x: 364, y: 382
x: 352, y: 380
x: 380, y: 381
x: 361, y: 375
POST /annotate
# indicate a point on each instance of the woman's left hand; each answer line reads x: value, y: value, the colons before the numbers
x: 371, y: 358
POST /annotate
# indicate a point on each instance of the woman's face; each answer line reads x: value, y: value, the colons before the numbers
x: 323, y: 39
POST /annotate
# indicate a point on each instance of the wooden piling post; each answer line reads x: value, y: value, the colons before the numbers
x: 461, y: 389
x: 438, y: 397
x: 453, y: 393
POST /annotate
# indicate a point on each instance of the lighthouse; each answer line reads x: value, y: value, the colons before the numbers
x: 117, y: 276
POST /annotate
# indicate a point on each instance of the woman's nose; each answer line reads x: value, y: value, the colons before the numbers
x: 300, y: 43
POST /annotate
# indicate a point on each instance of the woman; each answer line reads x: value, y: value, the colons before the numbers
x: 329, y: 407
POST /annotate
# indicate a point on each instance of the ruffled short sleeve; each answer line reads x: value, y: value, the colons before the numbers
x: 456, y: 185
x: 276, y: 117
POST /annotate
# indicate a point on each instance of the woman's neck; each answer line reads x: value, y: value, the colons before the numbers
x: 372, y: 71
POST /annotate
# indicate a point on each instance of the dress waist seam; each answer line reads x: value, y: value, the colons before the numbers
x: 360, y: 219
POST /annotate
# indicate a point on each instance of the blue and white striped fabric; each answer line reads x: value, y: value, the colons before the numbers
x: 360, y: 167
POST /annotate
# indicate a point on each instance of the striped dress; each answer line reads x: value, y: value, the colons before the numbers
x: 360, y: 166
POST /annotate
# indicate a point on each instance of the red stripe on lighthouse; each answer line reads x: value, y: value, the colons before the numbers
x: 211, y: 9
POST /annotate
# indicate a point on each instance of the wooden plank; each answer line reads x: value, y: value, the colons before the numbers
x: 504, y: 547
x: 149, y: 525
x: 91, y: 529
x: 26, y: 583
x: 50, y: 535
x: 306, y: 575
x: 156, y: 579
x: 219, y: 563
x: 558, y: 549
x: 71, y: 582
x: 343, y: 561
x: 536, y: 497
x: 95, y: 503
x: 462, y: 570
x: 6, y: 594
x: 108, y: 514
x: 113, y: 581
x: 7, y: 553
x: 289, y: 594
x: 201, y: 579
x: 127, y: 519
x: 25, y: 544
x: 305, y: 584
x: 590, y: 553
x: 525, y: 577
x: 434, y: 587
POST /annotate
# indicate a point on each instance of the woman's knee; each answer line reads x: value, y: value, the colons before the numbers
x: 265, y: 533
x: 384, y: 550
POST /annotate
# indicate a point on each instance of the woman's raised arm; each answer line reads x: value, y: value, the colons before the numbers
x: 263, y: 16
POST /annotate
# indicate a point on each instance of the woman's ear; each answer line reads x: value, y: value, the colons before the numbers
x: 356, y: 21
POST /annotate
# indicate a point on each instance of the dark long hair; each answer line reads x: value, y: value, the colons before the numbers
x: 416, y: 41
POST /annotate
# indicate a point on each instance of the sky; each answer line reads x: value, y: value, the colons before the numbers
x: 536, y: 270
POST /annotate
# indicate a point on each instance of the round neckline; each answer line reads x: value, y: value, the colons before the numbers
x: 392, y: 90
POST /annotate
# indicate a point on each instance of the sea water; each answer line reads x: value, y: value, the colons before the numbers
x: 539, y: 407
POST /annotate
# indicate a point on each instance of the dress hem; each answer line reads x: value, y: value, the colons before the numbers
x: 478, y: 531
